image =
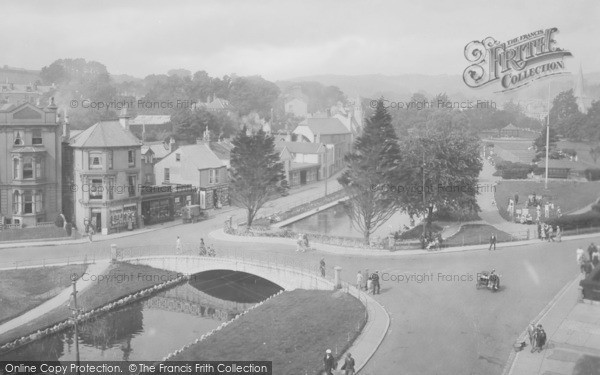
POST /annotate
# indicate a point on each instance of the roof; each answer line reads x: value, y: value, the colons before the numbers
x: 150, y: 120
x: 197, y: 156
x: 299, y: 147
x: 105, y: 134
x: 160, y: 149
x: 219, y: 104
x: 221, y: 150
x: 325, y: 126
x: 510, y: 127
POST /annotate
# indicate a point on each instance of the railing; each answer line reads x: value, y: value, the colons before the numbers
x: 88, y: 258
x: 45, y: 224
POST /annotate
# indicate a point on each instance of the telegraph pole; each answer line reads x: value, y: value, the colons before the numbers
x: 75, y: 310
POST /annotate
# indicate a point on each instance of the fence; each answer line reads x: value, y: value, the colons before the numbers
x: 87, y: 258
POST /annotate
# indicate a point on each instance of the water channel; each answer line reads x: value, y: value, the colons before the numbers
x: 149, y: 329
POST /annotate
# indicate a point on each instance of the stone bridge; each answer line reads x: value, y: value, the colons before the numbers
x: 287, y: 277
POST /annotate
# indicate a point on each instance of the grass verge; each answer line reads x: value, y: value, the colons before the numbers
x: 587, y: 365
x: 292, y: 330
x: 476, y: 234
x: 23, y: 289
x: 114, y: 287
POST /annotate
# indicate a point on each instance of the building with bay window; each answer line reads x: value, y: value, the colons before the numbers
x: 30, y: 165
x: 107, y: 177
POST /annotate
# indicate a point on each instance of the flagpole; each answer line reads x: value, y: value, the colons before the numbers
x: 547, y: 136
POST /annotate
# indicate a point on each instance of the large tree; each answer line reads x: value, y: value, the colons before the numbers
x: 564, y: 114
x: 373, y: 174
x: 256, y: 171
x: 443, y: 160
x: 539, y: 144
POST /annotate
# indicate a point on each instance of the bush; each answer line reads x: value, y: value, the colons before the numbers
x: 510, y: 170
x: 592, y: 174
x: 59, y: 222
x: 567, y: 222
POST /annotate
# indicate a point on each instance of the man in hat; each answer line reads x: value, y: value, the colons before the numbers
x: 540, y: 338
x: 493, y: 241
x: 329, y: 362
x: 375, y: 278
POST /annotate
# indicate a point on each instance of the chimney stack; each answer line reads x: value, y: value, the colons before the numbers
x: 172, y: 145
x: 124, y: 119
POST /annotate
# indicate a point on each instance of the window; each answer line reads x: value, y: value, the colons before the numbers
x: 38, y: 168
x: 96, y: 189
x: 95, y: 160
x: 131, y: 180
x: 28, y: 168
x: 109, y: 157
x: 213, y: 176
x: 148, y: 179
x: 36, y: 137
x: 18, y: 139
x: 39, y: 201
x: 167, y: 175
x: 27, y: 202
x: 188, y: 200
x: 131, y: 158
x: 16, y: 169
x: 178, y: 157
x: 16, y: 202
x: 111, y: 188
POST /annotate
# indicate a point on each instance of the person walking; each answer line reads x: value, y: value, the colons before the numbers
x: 595, y: 258
x: 591, y: 250
x: 178, y: 245
x: 90, y: 234
x: 550, y: 233
x: 531, y: 333
x: 202, y: 247
x: 329, y: 362
x: 359, y: 280
x: 493, y: 241
x: 558, y: 234
x: 376, y: 286
x: 539, y: 229
x: 540, y: 338
x: 370, y: 284
x: 544, y: 232
x: 322, y: 267
x: 348, y: 366
x: 580, y: 259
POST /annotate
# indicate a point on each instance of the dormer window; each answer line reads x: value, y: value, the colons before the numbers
x: 178, y: 157
x: 18, y: 139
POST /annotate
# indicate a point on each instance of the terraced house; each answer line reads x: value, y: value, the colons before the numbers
x: 107, y: 177
x: 30, y: 165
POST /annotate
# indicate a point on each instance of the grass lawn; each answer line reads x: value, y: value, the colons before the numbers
x: 476, y: 234
x: 97, y: 295
x: 568, y: 195
x: 587, y: 365
x: 23, y: 289
x: 416, y: 232
x: 293, y: 330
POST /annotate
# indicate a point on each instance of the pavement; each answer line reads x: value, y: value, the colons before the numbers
x: 61, y: 299
x: 573, y: 331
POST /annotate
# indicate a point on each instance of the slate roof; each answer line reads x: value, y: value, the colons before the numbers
x: 105, y: 134
x: 325, y: 126
x: 196, y: 156
x: 160, y: 149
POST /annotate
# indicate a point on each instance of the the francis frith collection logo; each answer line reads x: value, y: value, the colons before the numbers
x: 514, y: 63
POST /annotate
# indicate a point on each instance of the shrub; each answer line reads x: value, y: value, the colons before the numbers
x: 592, y: 174
x: 510, y: 170
x: 567, y: 222
x: 59, y: 222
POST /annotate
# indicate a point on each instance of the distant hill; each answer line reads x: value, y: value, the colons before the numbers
x: 18, y: 75
x: 401, y: 87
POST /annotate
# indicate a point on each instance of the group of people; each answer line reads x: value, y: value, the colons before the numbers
x: 589, y: 262
x: 548, y: 233
x: 373, y: 286
x: 203, y: 249
x: 330, y: 364
x: 537, y: 337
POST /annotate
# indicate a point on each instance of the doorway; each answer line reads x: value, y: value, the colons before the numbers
x: 303, y: 178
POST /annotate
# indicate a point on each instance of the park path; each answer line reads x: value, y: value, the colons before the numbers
x: 61, y: 299
x: 489, y: 211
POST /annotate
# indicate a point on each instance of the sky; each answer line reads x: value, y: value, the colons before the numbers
x: 281, y: 39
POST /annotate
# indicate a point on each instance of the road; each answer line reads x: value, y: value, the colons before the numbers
x: 438, y: 326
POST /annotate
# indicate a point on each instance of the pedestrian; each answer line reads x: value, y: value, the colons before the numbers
x: 587, y: 268
x: 370, y: 284
x: 580, y: 259
x: 544, y: 231
x: 531, y: 334
x: 539, y: 229
x: 299, y: 242
x: 322, y: 267
x: 591, y: 250
x: 178, y: 245
x: 550, y: 233
x: 348, y: 366
x: 540, y: 338
x: 329, y: 362
x: 558, y: 234
x: 375, y: 278
x: 202, y: 247
x: 493, y: 241
x: 595, y: 260
x: 359, y: 280
x: 90, y: 234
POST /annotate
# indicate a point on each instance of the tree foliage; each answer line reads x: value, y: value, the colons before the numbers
x: 256, y: 172
x: 372, y: 171
x: 539, y: 145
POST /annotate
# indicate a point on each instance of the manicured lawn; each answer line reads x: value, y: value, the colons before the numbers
x: 98, y: 295
x: 476, y: 234
x: 23, y: 289
x: 293, y: 330
x: 587, y: 365
x: 568, y: 195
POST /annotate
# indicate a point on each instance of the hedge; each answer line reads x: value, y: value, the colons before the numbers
x: 592, y: 174
x: 584, y: 220
x: 510, y: 170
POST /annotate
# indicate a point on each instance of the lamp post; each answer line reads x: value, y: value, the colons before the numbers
x: 75, y: 311
x: 547, y: 138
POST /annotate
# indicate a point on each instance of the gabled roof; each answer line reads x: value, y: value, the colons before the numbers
x: 105, y: 134
x: 150, y: 120
x: 299, y: 147
x: 325, y: 126
x: 219, y: 104
x: 196, y: 156
x: 222, y: 151
x: 160, y: 149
